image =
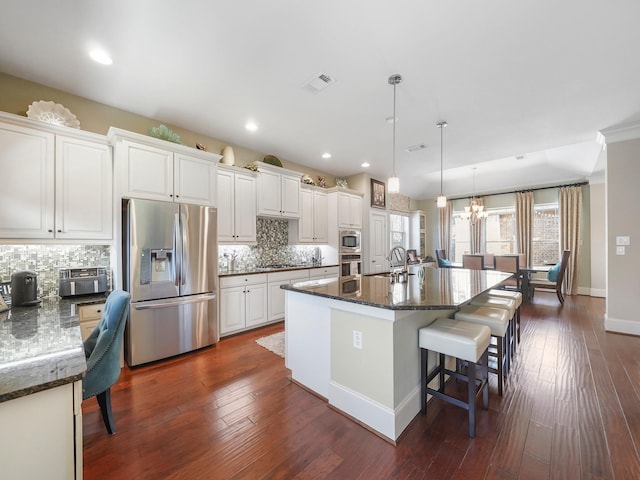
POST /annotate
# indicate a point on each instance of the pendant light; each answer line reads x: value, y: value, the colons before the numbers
x: 442, y: 199
x: 474, y: 212
x: 394, y: 181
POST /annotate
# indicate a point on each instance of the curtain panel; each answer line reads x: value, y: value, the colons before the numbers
x: 570, y: 206
x: 477, y: 233
x: 524, y: 224
x: 444, y: 224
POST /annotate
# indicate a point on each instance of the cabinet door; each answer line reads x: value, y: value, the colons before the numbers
x: 256, y: 304
x: 306, y: 222
x: 194, y: 180
x: 245, y: 209
x: 269, y: 194
x: 148, y: 173
x: 27, y: 190
x: 232, y: 309
x: 226, y: 206
x: 355, y: 211
x: 83, y: 189
x: 290, y: 196
x: 344, y: 210
x: 276, y: 300
x: 320, y: 217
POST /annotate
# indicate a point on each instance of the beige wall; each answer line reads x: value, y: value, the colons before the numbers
x: 622, y: 195
x: 17, y: 94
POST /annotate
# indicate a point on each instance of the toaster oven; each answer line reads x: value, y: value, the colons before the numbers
x: 82, y: 281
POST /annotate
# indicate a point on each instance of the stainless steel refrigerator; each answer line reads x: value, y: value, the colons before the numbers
x: 171, y: 262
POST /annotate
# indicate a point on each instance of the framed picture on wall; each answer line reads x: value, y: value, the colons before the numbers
x: 378, y: 194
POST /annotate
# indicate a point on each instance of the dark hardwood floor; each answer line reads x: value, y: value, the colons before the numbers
x: 571, y: 410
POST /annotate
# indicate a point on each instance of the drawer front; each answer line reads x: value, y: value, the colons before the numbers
x: 323, y: 271
x: 87, y: 313
x: 239, y: 281
x: 297, y: 275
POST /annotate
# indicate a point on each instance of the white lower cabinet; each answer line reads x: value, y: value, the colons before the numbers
x: 47, y: 423
x: 277, y: 294
x: 243, y: 302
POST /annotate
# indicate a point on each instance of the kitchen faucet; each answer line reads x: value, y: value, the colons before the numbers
x: 398, y: 257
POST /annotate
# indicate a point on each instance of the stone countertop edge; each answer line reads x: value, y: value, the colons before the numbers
x: 42, y: 346
x: 257, y: 270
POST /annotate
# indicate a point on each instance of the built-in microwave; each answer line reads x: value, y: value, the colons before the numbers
x: 349, y: 241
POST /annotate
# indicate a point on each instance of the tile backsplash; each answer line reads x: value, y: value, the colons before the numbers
x: 272, y: 247
x: 46, y: 260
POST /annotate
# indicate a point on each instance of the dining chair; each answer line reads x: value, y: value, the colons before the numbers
x: 473, y: 262
x: 441, y: 257
x: 509, y: 264
x: 555, y: 277
x: 102, y: 351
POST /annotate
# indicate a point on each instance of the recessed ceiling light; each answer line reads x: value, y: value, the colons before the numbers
x: 100, y: 56
x: 365, y: 165
x: 326, y: 155
x: 251, y: 126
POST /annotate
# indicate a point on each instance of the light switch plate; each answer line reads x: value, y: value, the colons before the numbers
x: 623, y: 240
x: 619, y: 250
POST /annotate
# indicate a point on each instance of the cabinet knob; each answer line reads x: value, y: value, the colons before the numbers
x: 98, y: 311
x: 59, y: 231
x: 50, y: 231
x: 171, y: 195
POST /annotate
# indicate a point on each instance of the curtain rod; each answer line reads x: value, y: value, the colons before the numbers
x: 577, y: 184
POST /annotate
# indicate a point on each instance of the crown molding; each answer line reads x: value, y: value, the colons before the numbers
x: 620, y: 133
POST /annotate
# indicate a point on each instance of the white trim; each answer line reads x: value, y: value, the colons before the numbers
x: 618, y: 325
x: 620, y: 133
x: 598, y: 292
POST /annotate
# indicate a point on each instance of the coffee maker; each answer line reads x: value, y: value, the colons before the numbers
x: 24, y: 289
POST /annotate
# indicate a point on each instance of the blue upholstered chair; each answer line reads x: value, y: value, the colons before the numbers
x: 102, y: 350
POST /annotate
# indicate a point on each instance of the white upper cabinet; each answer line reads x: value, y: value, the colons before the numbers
x: 312, y: 227
x: 57, y: 182
x: 159, y: 170
x: 236, y: 205
x: 278, y: 192
x: 349, y: 210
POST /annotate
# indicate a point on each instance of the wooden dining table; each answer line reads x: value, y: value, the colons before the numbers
x: 525, y: 278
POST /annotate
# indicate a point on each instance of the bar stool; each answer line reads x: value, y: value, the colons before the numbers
x: 497, y: 320
x: 510, y: 306
x: 464, y: 341
x: 517, y: 296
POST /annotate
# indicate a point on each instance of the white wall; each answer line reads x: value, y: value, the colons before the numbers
x: 598, y: 240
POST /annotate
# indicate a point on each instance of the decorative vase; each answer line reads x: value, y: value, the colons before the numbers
x: 228, y: 157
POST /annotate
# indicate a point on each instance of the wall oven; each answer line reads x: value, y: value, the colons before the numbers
x: 349, y: 241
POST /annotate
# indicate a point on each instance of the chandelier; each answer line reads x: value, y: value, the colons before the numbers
x: 474, y: 211
x: 441, y: 202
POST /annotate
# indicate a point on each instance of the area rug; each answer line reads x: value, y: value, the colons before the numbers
x: 273, y: 343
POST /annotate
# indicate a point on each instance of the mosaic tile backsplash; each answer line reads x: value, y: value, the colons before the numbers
x: 272, y: 247
x: 46, y: 260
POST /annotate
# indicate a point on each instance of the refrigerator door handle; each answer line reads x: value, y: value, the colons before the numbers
x: 178, y: 262
x: 185, y: 248
x: 200, y: 298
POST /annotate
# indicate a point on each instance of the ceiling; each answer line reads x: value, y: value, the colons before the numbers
x: 524, y: 86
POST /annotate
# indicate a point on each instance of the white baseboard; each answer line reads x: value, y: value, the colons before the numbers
x: 598, y: 292
x: 617, y: 325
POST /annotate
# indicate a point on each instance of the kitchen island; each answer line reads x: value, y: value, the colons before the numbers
x: 42, y: 363
x: 360, y: 350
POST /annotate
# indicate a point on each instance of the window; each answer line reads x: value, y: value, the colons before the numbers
x: 460, y: 237
x: 546, y: 234
x: 500, y: 231
x: 399, y: 230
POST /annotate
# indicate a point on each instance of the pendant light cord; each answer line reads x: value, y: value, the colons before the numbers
x: 394, y: 130
x: 441, y: 148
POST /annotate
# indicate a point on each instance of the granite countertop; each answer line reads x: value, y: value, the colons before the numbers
x: 41, y: 346
x: 271, y: 269
x: 442, y: 288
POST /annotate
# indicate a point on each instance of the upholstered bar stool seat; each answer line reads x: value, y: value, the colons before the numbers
x: 497, y: 319
x: 462, y: 340
x: 517, y: 296
x: 510, y: 305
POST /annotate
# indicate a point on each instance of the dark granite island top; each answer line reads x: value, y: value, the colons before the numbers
x: 41, y: 347
x: 439, y: 289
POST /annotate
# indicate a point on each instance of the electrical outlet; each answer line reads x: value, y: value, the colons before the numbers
x: 619, y: 250
x: 623, y: 240
x: 357, y: 340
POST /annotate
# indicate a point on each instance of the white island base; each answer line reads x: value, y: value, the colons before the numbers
x: 364, y: 360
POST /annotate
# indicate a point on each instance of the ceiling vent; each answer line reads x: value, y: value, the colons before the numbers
x: 416, y: 148
x: 319, y: 83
